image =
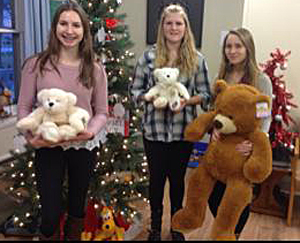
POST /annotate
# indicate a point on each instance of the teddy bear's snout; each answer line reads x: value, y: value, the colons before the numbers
x: 218, y: 124
x: 51, y: 104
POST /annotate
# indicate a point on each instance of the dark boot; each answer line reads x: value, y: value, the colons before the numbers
x: 73, y: 228
x: 156, y: 222
x: 154, y: 235
x: 176, y: 235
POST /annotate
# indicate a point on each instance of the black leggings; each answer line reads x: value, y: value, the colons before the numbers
x: 167, y: 160
x: 51, y: 165
x: 215, y: 200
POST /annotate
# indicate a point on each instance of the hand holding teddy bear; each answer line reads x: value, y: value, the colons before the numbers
x: 56, y: 120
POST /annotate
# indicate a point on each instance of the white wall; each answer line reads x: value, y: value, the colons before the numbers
x: 275, y: 24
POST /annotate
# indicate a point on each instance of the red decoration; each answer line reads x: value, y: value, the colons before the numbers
x: 108, y: 37
x: 111, y: 23
x: 91, y: 221
x: 62, y: 222
x: 121, y: 222
x: 281, y: 100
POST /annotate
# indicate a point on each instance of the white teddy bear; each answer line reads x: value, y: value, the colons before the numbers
x: 57, y: 118
x: 168, y: 90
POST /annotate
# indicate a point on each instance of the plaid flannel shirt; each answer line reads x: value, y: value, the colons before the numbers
x: 163, y: 124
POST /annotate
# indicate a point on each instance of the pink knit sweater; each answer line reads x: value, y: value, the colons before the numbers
x: 94, y: 100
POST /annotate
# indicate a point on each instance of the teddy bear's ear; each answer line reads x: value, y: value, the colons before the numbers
x: 156, y: 72
x: 176, y: 71
x: 72, y: 99
x: 220, y: 86
x: 41, y: 94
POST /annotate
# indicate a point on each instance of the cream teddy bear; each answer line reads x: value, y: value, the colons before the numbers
x: 57, y: 118
x: 167, y: 91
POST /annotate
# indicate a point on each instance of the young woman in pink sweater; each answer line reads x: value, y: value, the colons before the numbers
x: 68, y: 63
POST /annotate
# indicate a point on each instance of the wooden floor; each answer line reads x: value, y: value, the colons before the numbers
x: 258, y: 227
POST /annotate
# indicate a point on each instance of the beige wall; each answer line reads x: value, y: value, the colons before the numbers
x: 219, y: 16
x: 275, y: 24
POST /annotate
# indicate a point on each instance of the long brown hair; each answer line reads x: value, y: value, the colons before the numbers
x: 86, y: 53
x: 250, y: 65
x: 187, y: 61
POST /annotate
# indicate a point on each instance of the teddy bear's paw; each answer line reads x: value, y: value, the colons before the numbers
x: 174, y: 106
x: 225, y: 237
x: 51, y: 136
x: 78, y: 126
x: 67, y: 132
x: 49, y: 132
x: 160, y: 102
x: 79, y: 119
x: 185, y: 222
x: 26, y: 124
x: 254, y: 173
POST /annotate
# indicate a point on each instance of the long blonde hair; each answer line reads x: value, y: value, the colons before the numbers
x: 187, y: 61
x: 250, y: 65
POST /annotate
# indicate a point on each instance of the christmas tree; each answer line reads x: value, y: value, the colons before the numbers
x: 279, y: 135
x: 120, y: 176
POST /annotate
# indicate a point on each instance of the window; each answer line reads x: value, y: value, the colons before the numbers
x: 10, y: 48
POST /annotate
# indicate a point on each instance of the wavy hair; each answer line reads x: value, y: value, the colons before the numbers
x: 187, y: 61
x: 86, y: 53
x: 250, y: 65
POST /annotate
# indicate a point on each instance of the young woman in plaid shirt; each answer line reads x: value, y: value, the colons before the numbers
x: 163, y: 129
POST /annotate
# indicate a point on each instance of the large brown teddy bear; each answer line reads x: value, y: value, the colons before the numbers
x: 236, y: 117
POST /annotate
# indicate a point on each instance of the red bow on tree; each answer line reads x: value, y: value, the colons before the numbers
x: 111, y: 23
